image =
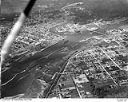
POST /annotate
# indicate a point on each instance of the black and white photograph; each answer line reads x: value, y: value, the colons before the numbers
x: 64, y: 49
